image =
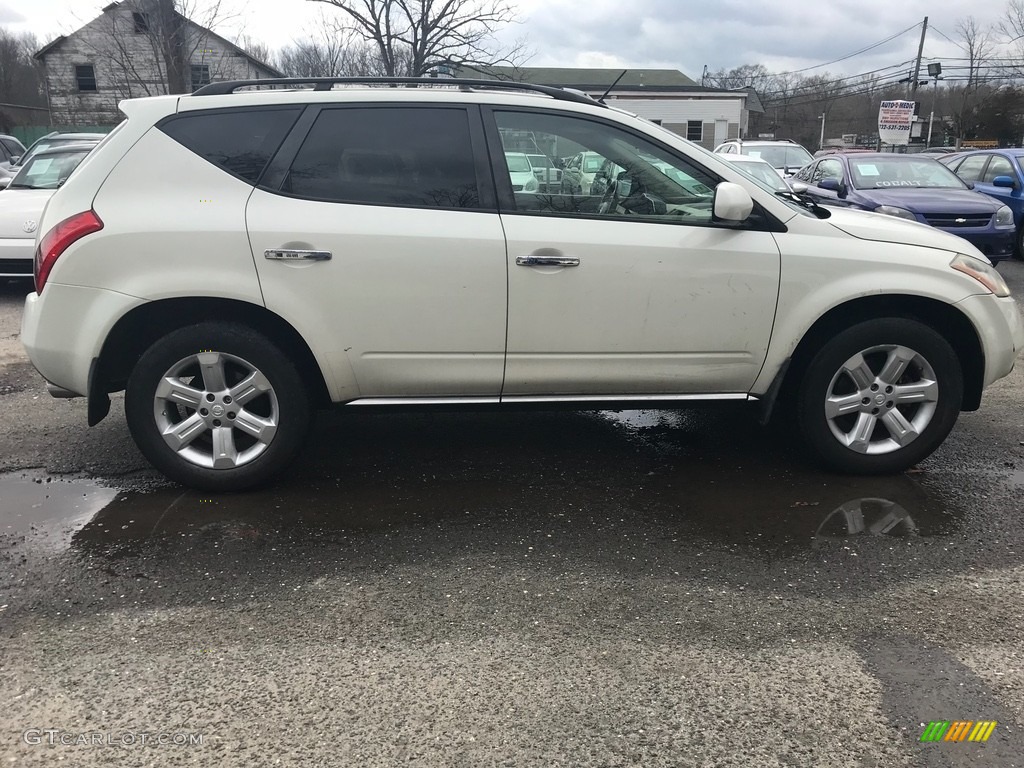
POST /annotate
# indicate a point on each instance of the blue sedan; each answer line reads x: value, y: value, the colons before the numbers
x: 916, y: 188
x: 997, y: 173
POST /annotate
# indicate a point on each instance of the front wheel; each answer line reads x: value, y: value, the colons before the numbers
x: 880, y: 396
x: 217, y: 407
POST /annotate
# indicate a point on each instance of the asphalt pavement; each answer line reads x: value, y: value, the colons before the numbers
x: 645, y: 588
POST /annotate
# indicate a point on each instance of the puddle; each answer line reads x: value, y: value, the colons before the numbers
x: 680, y: 476
x: 45, y: 510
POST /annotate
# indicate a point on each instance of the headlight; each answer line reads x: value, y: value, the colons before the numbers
x: 1004, y: 217
x: 531, y: 185
x: 900, y: 213
x: 983, y: 272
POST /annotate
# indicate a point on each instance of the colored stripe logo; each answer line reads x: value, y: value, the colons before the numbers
x: 958, y: 730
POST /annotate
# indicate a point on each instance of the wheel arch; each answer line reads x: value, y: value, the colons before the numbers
x: 139, y: 328
x: 944, y: 318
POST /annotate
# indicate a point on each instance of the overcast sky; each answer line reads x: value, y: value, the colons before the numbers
x: 680, y: 34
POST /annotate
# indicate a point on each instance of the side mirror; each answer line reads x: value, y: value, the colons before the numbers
x: 6, y: 182
x: 833, y: 185
x: 732, y: 203
x: 798, y: 186
x: 15, y: 159
x: 1004, y: 181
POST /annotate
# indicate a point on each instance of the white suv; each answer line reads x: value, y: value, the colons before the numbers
x: 235, y: 258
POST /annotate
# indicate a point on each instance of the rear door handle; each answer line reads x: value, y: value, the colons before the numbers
x: 547, y: 260
x: 290, y: 254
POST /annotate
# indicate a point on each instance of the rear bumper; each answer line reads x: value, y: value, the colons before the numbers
x: 64, y: 329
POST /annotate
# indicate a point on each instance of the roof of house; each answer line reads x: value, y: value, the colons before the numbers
x: 599, y: 80
x: 574, y: 77
x: 41, y: 53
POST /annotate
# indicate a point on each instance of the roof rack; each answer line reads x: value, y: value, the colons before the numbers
x: 464, y: 84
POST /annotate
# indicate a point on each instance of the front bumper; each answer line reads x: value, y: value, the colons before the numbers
x: 16, y: 256
x: 1001, y: 330
x: 63, y: 331
x: 996, y: 244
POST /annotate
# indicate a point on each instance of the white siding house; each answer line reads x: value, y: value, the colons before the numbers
x: 136, y: 48
x: 707, y: 116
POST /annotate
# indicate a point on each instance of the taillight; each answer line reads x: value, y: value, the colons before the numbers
x: 57, y: 240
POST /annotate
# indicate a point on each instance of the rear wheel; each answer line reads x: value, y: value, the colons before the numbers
x: 217, y: 407
x: 880, y: 396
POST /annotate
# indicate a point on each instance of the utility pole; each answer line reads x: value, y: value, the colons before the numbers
x: 917, y: 64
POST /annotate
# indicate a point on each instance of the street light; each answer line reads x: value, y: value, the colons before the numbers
x: 821, y: 141
x: 934, y: 71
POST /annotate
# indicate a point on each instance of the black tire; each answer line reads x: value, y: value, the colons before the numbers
x: 288, y: 403
x: 824, y: 371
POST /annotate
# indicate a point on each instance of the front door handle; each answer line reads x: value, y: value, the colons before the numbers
x: 549, y: 259
x: 291, y: 254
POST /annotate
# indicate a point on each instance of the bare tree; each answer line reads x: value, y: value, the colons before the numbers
x: 967, y: 96
x: 413, y: 37
x: 335, y: 50
x: 21, y: 79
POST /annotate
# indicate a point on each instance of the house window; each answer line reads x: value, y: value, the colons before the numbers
x: 200, y: 76
x: 694, y: 130
x: 141, y: 21
x: 85, y: 76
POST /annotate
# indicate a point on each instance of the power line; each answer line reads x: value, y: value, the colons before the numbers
x: 855, y: 53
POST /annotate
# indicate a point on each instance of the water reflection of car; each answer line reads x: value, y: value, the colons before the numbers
x: 520, y: 172
x: 22, y: 204
x: 786, y: 157
x: 914, y: 188
x: 579, y: 173
x: 760, y: 170
x: 549, y: 176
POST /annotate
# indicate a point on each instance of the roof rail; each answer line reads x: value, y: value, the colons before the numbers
x: 465, y: 84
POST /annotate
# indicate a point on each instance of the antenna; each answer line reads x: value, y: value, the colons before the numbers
x: 603, y: 95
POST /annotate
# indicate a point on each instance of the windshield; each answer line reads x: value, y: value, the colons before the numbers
x: 782, y: 156
x: 518, y: 164
x: 592, y: 163
x: 921, y: 173
x: 540, y: 161
x: 48, y: 171
x: 764, y: 173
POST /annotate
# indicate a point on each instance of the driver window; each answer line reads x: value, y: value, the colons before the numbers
x: 614, y: 173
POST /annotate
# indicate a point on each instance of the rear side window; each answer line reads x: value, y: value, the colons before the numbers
x: 241, y: 142
x: 387, y: 156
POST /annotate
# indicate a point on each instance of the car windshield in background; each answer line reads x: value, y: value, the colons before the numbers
x: 882, y: 173
x: 540, y: 161
x: 781, y: 156
x: 48, y: 171
x: 518, y: 164
x: 763, y: 173
x: 592, y: 163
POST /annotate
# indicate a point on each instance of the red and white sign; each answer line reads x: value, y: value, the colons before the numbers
x: 894, y: 121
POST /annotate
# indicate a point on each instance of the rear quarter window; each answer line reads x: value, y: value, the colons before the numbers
x: 242, y: 142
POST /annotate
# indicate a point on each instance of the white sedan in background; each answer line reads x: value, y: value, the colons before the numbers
x: 23, y: 201
x: 520, y: 172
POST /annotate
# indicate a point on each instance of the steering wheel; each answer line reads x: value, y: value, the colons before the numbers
x: 610, y: 201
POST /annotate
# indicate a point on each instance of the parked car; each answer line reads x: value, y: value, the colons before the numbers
x: 939, y: 151
x: 785, y: 156
x: 760, y: 170
x: 52, y: 139
x: 234, y: 259
x: 22, y: 204
x: 10, y: 150
x: 998, y: 174
x: 521, y: 172
x: 579, y: 173
x: 549, y: 175
x: 915, y: 188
